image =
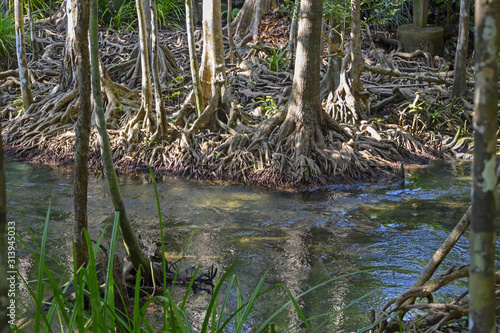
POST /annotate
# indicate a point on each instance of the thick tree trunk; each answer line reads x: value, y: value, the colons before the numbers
x: 304, y: 109
x: 482, y: 238
x: 246, y: 23
x: 21, y: 55
x: 135, y: 253
x: 193, y: 60
x: 4, y: 284
x: 459, y: 80
x: 213, y: 68
x: 82, y: 132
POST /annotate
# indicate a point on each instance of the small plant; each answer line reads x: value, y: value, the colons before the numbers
x: 267, y: 104
x: 278, y: 59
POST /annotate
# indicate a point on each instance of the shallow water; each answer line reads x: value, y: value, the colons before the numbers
x: 302, y: 238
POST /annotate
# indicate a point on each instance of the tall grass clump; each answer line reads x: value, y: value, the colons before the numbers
x: 7, y: 36
x: 170, y: 12
x: 88, y: 302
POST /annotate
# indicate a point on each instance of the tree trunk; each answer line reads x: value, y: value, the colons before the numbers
x: 134, y: 251
x: 246, y: 24
x: 331, y: 80
x: 304, y: 109
x: 292, y: 41
x: 482, y: 236
x: 161, y: 116
x: 146, y: 98
x: 4, y: 283
x: 213, y: 68
x: 232, y: 47
x: 356, y: 54
x: 21, y: 55
x: 82, y: 132
x: 34, y: 44
x: 68, y: 75
x: 193, y: 60
x: 459, y: 79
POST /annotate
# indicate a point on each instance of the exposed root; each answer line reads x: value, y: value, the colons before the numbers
x: 129, y: 72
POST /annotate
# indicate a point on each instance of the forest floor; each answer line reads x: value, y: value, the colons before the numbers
x: 410, y: 118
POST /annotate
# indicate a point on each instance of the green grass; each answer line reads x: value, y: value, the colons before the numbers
x: 7, y: 36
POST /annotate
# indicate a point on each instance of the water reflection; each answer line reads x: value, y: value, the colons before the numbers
x: 302, y: 238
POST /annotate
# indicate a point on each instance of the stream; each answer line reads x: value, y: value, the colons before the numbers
x: 301, y: 239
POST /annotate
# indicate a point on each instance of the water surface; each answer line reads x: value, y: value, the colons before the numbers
x: 301, y: 239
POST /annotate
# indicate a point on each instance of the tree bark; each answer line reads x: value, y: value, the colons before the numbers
x: 134, y: 251
x: 161, y: 116
x: 356, y: 54
x: 21, y: 55
x: 304, y: 108
x: 331, y: 80
x: 213, y: 68
x: 193, y: 60
x: 459, y: 79
x: 68, y: 75
x: 82, y: 132
x: 292, y: 41
x: 146, y: 98
x: 34, y: 44
x: 482, y: 236
x: 246, y: 23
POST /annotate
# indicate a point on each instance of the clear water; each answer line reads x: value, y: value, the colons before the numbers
x: 301, y: 239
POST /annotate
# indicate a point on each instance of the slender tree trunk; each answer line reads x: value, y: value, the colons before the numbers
x: 4, y: 285
x: 34, y: 44
x: 146, y: 99
x: 193, y: 60
x: 134, y: 251
x: 292, y: 43
x: 161, y: 116
x: 21, y: 55
x: 459, y: 80
x: 331, y: 80
x: 482, y: 237
x: 230, y: 31
x: 356, y: 54
x: 68, y: 75
x: 82, y: 132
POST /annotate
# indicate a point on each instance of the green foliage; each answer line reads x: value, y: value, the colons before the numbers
x: 7, y: 36
x: 278, y: 60
x: 267, y: 104
x: 383, y: 12
x: 170, y: 12
x: 125, y: 16
x: 445, y: 116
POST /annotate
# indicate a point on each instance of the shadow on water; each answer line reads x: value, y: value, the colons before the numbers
x: 303, y: 238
